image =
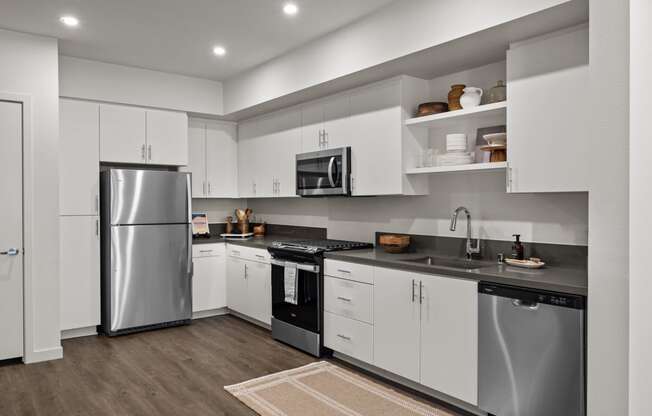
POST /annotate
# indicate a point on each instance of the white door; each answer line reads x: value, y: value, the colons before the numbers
x: 222, y: 160
x: 11, y: 230
x: 167, y: 138
x: 197, y: 157
x: 283, y: 144
x: 122, y: 134
x: 209, y: 283
x: 449, y: 363
x: 376, y: 137
x: 337, y: 113
x: 236, y: 285
x: 266, y: 155
x: 79, y: 157
x: 79, y: 267
x: 259, y: 291
x: 396, y: 322
x: 247, y: 158
x: 312, y: 125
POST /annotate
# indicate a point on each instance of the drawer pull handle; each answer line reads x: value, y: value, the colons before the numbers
x: 344, y: 271
x: 205, y: 251
x: 344, y: 337
x: 237, y: 253
x: 260, y: 256
x: 344, y: 299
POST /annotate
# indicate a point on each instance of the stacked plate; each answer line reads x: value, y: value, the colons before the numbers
x: 457, y: 151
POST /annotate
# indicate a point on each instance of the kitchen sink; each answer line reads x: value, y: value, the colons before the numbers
x: 447, y: 262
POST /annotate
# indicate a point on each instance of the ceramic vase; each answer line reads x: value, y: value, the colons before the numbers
x: 454, y: 97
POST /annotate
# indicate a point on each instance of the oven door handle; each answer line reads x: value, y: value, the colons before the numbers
x: 312, y: 268
x: 330, y: 172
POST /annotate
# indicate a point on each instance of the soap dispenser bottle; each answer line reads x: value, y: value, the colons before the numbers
x: 518, y: 251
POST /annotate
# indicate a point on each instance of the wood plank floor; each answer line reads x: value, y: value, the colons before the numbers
x: 175, y: 371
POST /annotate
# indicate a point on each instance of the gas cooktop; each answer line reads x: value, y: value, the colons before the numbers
x: 320, y: 246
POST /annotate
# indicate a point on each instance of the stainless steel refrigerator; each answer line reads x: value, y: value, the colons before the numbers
x: 146, y: 249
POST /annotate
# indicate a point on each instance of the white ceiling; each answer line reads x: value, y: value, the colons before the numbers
x: 178, y: 35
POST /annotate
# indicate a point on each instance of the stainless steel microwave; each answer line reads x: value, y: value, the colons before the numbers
x: 324, y: 173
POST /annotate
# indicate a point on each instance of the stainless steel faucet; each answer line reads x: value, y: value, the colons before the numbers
x: 470, y: 250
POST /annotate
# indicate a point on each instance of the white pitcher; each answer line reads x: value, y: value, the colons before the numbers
x: 471, y: 97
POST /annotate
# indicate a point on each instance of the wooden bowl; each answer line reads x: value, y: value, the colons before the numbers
x: 427, y: 109
x: 392, y: 243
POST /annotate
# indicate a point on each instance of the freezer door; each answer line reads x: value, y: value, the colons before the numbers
x: 151, y: 275
x: 531, y: 358
x: 148, y: 197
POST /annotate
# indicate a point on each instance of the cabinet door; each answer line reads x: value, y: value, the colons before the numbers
x: 312, y: 117
x: 396, y: 322
x: 248, y: 131
x: 167, y: 138
x: 449, y: 336
x: 259, y: 291
x: 236, y: 285
x: 286, y: 143
x: 337, y: 113
x: 197, y: 157
x: 376, y: 128
x: 209, y: 283
x: 79, y: 158
x: 79, y: 268
x: 548, y: 137
x: 122, y: 134
x: 221, y: 160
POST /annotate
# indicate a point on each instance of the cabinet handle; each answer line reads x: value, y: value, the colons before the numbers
x: 344, y: 271
x: 325, y: 139
x: 205, y: 251
x: 321, y: 138
x: 245, y: 274
x: 97, y: 228
x: 260, y: 256
x: 97, y: 204
x: 142, y: 153
x: 149, y: 152
x: 254, y: 187
x: 235, y: 252
x: 344, y: 299
x: 413, y: 283
x: 420, y: 292
x: 344, y: 337
x: 209, y: 187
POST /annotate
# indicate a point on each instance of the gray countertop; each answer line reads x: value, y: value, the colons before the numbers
x: 556, y: 279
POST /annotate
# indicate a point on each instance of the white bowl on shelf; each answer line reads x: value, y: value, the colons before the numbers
x: 496, y: 139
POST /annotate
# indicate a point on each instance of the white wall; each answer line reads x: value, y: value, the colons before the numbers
x: 218, y: 209
x: 640, y: 200
x: 545, y: 218
x: 402, y: 28
x: 29, y: 66
x: 93, y: 80
x: 608, y: 303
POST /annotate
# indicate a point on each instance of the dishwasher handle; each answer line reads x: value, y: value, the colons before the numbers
x: 524, y: 304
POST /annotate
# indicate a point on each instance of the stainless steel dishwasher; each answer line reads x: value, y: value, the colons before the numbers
x: 531, y: 352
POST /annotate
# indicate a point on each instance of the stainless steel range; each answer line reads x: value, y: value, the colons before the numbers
x: 297, y: 289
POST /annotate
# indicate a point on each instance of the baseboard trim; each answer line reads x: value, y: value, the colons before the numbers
x: 445, y: 400
x: 79, y: 332
x: 250, y: 320
x: 38, y: 356
x: 210, y: 313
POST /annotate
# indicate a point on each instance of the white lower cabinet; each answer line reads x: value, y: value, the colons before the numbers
x: 79, y: 268
x: 209, y: 278
x: 249, y: 289
x: 348, y: 336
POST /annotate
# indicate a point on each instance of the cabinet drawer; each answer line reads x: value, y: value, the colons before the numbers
x: 348, y: 299
x: 349, y: 337
x: 248, y: 253
x: 349, y: 271
x: 208, y: 250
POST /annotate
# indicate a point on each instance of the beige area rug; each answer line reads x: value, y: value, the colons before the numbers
x: 323, y: 389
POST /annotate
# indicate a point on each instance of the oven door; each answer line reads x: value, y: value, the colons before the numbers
x: 305, y: 314
x: 326, y: 172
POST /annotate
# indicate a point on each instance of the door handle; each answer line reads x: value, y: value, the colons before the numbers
x: 344, y: 337
x: 344, y: 299
x: 10, y: 252
x: 142, y: 153
x: 413, y: 291
x: 420, y: 292
x: 209, y: 187
x: 149, y: 152
x: 330, y: 172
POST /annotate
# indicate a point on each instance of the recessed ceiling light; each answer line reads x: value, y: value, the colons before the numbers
x: 219, y: 51
x: 290, y: 9
x: 70, y: 21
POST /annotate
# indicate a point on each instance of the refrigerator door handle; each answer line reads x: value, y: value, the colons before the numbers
x: 190, y: 269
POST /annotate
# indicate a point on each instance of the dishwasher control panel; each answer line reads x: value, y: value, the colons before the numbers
x: 533, y: 296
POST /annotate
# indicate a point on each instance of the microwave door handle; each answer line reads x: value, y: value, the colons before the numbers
x: 330, y: 172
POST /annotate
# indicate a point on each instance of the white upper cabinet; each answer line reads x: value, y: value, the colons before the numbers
x: 167, y: 138
x: 79, y: 158
x: 213, y: 158
x: 548, y: 113
x: 267, y: 149
x: 136, y: 135
x: 122, y: 134
x: 221, y: 160
x: 325, y: 123
x: 197, y: 157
